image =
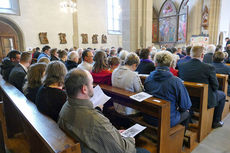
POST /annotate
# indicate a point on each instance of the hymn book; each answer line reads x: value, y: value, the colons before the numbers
x: 99, y: 97
x: 141, y: 96
x: 133, y: 130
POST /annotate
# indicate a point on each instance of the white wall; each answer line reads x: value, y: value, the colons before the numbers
x: 92, y: 19
x: 43, y: 16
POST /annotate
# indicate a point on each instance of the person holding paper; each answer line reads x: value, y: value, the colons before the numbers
x: 162, y: 84
x: 88, y: 125
x: 124, y: 77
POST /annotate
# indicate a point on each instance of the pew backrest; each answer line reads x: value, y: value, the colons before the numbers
x: 152, y: 106
x: 46, y: 132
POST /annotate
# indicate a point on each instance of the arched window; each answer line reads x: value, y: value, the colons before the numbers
x: 9, y: 7
x: 168, y: 23
x: 182, y: 27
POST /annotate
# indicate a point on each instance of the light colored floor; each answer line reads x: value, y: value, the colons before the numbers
x: 218, y: 141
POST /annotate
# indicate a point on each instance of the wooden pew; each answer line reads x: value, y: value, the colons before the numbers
x: 169, y: 139
x: 223, y: 83
x: 199, y: 90
x: 228, y: 64
x: 42, y: 133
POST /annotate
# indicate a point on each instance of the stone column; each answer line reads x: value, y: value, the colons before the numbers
x: 130, y: 24
x: 214, y: 21
x: 75, y: 29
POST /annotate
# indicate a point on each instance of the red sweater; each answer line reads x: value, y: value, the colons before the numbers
x: 102, y: 77
x: 174, y: 71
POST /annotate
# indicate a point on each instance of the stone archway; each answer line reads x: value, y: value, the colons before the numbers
x: 11, y: 37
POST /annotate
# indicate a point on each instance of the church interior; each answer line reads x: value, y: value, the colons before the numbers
x: 120, y: 26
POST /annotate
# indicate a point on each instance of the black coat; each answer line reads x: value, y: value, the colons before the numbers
x: 17, y: 76
x: 208, y: 58
x: 197, y: 71
x: 70, y: 65
x: 6, y: 68
x: 145, y: 67
x: 53, y: 58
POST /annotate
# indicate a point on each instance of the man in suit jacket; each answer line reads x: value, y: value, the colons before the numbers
x: 18, y: 73
x: 208, y: 57
x: 197, y: 71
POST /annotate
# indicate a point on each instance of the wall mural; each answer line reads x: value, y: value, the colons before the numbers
x: 94, y: 39
x: 103, y: 39
x: 62, y: 37
x: 84, y: 38
x: 43, y: 38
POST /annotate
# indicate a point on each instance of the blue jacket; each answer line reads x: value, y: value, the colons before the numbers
x: 222, y: 68
x: 43, y: 55
x: 184, y: 60
x: 162, y: 84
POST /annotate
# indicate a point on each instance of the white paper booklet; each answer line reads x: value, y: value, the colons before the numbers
x: 144, y: 75
x: 133, y: 131
x: 140, y: 96
x: 99, y: 97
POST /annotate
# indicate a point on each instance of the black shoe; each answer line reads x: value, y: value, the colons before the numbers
x: 216, y: 125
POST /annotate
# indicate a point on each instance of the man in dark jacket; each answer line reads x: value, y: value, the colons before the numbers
x: 146, y: 65
x: 186, y: 58
x: 37, y: 52
x: 221, y: 68
x: 197, y: 71
x: 208, y: 57
x: 18, y: 73
x: 9, y: 62
x: 162, y: 84
x: 72, y: 60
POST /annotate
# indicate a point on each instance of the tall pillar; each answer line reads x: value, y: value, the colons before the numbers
x: 214, y: 21
x: 129, y: 24
x: 75, y: 29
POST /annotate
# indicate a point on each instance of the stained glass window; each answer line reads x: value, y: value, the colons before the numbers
x: 168, y: 23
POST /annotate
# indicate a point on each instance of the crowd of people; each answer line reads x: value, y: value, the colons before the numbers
x: 60, y: 83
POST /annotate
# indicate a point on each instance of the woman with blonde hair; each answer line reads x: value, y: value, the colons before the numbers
x: 34, y: 80
x: 51, y: 97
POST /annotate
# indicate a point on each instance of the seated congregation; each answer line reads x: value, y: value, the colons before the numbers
x: 60, y: 83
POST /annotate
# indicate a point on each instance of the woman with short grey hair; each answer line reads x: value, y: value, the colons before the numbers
x: 124, y: 77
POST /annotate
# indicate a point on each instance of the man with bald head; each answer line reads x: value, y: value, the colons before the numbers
x: 86, y: 124
x: 197, y: 71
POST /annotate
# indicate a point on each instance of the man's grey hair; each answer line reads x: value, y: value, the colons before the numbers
x: 72, y: 55
x: 163, y: 58
x: 211, y: 49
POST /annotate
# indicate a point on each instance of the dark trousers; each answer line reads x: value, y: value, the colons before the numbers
x: 220, y: 96
x: 184, y: 119
x: 141, y: 150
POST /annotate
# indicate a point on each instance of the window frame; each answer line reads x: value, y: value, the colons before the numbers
x: 113, y: 31
x: 14, y: 10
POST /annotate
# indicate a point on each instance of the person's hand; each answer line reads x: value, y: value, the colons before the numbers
x: 101, y: 107
x: 121, y: 131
